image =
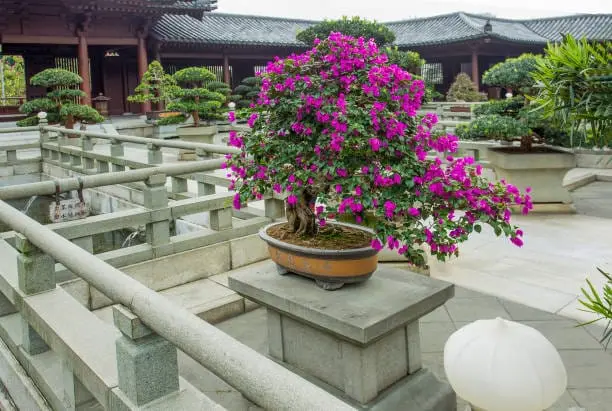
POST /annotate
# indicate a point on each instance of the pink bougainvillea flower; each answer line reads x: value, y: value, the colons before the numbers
x: 292, y: 200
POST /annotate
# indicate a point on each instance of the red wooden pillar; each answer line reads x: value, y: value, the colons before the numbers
x: 83, y: 58
x: 142, y: 66
x: 475, y: 73
x: 226, y: 71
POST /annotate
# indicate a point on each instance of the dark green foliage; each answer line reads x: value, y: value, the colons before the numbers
x: 514, y: 73
x: 65, y: 95
x: 38, y: 105
x: 354, y: 26
x: 509, y: 107
x: 492, y: 127
x: 81, y: 113
x: 410, y: 61
x: 247, y: 92
x: 155, y: 86
x: 199, y: 95
x: 464, y: 89
x: 51, y: 78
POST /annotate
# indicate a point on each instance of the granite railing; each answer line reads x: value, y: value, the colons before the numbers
x: 74, y: 357
x: 10, y: 160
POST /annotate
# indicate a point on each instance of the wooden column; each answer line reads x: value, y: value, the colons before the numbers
x: 83, y: 57
x: 142, y: 66
x: 226, y: 71
x: 475, y: 73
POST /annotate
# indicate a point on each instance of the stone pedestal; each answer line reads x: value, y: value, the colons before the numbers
x: 361, y: 343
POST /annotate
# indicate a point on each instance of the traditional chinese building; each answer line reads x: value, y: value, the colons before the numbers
x: 110, y: 42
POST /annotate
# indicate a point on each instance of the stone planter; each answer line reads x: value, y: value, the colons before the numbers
x: 588, y: 158
x: 331, y: 269
x: 202, y: 134
x: 542, y: 170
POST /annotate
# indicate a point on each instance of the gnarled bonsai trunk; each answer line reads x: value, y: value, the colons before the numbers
x: 526, y: 143
x: 300, y: 217
x: 195, y: 114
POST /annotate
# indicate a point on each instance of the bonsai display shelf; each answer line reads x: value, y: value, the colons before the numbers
x: 360, y: 343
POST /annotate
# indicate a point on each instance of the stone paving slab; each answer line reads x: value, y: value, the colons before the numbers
x: 588, y: 365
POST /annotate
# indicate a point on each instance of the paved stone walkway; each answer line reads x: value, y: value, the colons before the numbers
x: 588, y: 365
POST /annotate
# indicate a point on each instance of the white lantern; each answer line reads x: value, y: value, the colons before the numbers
x: 509, y: 94
x: 42, y: 115
x: 500, y: 365
x: 231, y: 105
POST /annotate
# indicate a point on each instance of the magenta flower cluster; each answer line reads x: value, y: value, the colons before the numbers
x: 340, y: 123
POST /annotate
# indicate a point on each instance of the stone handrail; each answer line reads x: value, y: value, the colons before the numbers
x: 7, y: 130
x: 99, y: 180
x: 209, y: 148
x: 258, y: 378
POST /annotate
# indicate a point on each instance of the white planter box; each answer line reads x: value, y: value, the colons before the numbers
x: 601, y: 159
x: 543, y: 172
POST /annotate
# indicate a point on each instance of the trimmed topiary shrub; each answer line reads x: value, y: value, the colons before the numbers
x: 514, y: 73
x: 246, y: 93
x: 155, y: 87
x: 354, y: 26
x: 464, y: 89
x: 62, y: 91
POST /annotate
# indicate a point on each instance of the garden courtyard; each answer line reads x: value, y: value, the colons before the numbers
x: 414, y: 215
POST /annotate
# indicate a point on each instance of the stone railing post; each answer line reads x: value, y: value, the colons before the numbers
x: 147, y: 364
x: 179, y: 185
x: 274, y: 208
x: 202, y: 154
x: 221, y: 219
x: 36, y: 274
x: 42, y: 123
x: 154, y: 154
x: 11, y: 156
x: 205, y: 189
x: 156, y: 200
x: 117, y: 151
x: 102, y: 166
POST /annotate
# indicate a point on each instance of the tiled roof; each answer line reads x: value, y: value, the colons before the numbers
x: 231, y: 29
x: 592, y: 26
x: 234, y: 29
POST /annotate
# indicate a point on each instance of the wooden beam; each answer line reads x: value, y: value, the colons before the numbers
x: 22, y: 39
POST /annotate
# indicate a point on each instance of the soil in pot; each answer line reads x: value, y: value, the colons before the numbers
x: 329, y: 237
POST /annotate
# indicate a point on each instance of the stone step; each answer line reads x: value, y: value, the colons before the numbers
x: 206, y: 298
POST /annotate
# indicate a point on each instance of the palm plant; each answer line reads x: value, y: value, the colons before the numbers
x: 575, y: 85
x: 600, y: 305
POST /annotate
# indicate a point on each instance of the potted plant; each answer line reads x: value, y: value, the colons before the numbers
x: 599, y: 304
x: 155, y: 87
x: 61, y: 103
x: 539, y: 166
x: 573, y: 83
x: 337, y: 125
x: 196, y: 100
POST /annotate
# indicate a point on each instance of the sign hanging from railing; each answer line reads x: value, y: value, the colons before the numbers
x: 70, y: 209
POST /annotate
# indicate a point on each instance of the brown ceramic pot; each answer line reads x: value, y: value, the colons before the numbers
x: 331, y: 269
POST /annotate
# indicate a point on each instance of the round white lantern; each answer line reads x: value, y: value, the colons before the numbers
x: 509, y: 94
x: 231, y: 105
x: 42, y: 115
x: 500, y: 365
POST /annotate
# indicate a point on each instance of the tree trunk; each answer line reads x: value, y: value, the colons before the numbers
x: 196, y: 115
x: 526, y: 143
x: 69, y: 122
x: 300, y: 217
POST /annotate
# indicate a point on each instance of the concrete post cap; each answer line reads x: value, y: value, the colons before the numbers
x: 42, y: 115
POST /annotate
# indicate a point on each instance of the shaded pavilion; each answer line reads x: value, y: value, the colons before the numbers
x: 110, y: 42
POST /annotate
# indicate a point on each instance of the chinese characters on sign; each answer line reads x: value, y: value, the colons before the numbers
x: 68, y: 210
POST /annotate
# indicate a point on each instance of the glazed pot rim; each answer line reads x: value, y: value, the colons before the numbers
x: 363, y: 251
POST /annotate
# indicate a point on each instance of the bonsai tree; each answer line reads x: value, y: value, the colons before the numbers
x: 574, y: 87
x: 464, y: 89
x: 338, y: 125
x: 354, y: 26
x: 246, y: 93
x: 193, y: 98
x: 513, y: 73
x: 62, y: 91
x: 155, y: 86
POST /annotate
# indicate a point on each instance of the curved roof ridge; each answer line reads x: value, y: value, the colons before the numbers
x: 466, y: 19
x: 568, y: 16
x: 255, y: 16
x: 437, y: 16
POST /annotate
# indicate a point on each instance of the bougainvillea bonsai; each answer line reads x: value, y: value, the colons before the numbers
x: 338, y: 124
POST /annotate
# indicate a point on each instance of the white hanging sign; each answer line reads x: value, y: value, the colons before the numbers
x: 68, y: 210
